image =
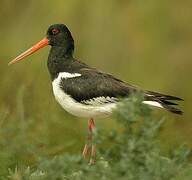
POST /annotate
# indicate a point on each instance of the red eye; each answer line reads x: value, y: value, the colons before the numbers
x: 55, y: 31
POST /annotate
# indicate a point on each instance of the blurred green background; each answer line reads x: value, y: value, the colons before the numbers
x: 146, y: 43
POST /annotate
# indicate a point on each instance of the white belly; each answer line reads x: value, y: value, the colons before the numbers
x: 79, y: 109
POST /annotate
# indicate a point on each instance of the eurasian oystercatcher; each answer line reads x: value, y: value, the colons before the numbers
x: 85, y: 91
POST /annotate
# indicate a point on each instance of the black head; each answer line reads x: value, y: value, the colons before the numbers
x: 59, y: 35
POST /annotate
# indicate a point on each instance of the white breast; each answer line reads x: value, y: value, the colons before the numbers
x: 90, y: 110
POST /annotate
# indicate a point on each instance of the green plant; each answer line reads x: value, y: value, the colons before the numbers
x: 132, y: 154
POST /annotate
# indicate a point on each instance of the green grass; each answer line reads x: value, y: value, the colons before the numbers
x: 131, y: 153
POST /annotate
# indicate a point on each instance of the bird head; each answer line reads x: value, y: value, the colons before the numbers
x: 58, y: 35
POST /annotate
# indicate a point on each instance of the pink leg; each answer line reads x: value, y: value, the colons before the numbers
x: 90, y: 148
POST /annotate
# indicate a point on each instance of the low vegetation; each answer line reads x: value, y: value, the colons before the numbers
x: 131, y: 153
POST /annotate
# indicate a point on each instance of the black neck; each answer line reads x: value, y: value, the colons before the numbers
x: 62, y: 51
x: 58, y: 58
x: 61, y: 60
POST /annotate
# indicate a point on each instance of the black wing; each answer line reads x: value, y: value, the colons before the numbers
x: 93, y: 84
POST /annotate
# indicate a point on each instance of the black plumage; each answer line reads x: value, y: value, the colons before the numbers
x: 92, y: 83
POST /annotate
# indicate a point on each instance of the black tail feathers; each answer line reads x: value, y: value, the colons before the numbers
x: 171, y: 107
x: 165, y: 101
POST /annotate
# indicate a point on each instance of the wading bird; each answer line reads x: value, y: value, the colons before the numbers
x: 85, y: 91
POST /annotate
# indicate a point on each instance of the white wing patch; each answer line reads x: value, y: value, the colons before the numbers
x: 99, y: 101
x: 67, y: 75
x: 153, y: 103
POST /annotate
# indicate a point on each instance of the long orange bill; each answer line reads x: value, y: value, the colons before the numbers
x: 44, y: 42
